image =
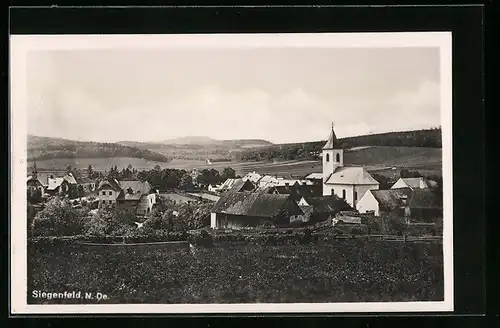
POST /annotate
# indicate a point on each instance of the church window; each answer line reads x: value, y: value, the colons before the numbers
x: 327, y: 157
x: 338, y: 158
x: 333, y: 192
x: 343, y: 193
x: 355, y: 195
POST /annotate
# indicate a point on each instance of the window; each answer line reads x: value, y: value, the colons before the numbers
x: 343, y: 193
x: 333, y: 192
x: 110, y: 193
x: 355, y: 195
x: 338, y: 158
x: 327, y: 157
x: 103, y: 193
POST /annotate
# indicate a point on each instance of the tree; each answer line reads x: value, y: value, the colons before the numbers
x: 228, y: 173
x: 186, y: 182
x: 58, y: 218
x: 90, y: 172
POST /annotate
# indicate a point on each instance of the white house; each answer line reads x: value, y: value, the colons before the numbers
x: 383, y: 201
x: 413, y: 183
x: 347, y: 182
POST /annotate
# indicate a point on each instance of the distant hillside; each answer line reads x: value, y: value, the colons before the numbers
x: 430, y: 138
x: 41, y: 148
x: 192, y: 140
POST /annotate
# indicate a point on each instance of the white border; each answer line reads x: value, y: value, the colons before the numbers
x: 20, y: 45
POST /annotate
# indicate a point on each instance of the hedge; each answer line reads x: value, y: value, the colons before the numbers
x: 70, y: 240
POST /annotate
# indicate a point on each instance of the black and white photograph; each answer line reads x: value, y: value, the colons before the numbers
x: 219, y: 173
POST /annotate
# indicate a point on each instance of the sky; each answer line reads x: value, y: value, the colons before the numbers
x: 277, y: 94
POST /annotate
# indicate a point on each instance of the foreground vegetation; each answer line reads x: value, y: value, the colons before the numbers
x: 344, y: 271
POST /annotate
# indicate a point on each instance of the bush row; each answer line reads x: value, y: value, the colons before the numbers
x: 159, y: 236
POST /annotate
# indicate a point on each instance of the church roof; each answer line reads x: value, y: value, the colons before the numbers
x: 351, y: 175
x: 332, y: 142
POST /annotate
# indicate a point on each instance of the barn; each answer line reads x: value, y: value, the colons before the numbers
x: 246, y: 209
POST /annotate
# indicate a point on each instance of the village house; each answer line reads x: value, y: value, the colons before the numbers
x: 416, y: 204
x: 412, y: 183
x: 384, y: 202
x: 323, y: 207
x: 315, y: 178
x: 347, y: 182
x: 239, y: 208
x: 228, y: 184
x: 297, y: 191
x: 133, y: 194
x: 254, y: 177
x: 35, y: 184
x: 267, y: 181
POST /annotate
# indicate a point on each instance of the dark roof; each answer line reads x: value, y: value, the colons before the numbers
x: 328, y: 204
x: 391, y: 198
x: 424, y: 198
x: 254, y: 204
x: 109, y: 183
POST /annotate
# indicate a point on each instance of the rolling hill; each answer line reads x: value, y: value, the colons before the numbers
x: 42, y: 148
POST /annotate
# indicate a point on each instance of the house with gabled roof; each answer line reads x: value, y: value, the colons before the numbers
x: 240, y: 208
x: 384, y: 202
x: 127, y: 194
x: 254, y: 177
x: 413, y: 183
x: 418, y: 204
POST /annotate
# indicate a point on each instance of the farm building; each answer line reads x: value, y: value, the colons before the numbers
x: 384, y: 202
x: 424, y: 205
x: 413, y: 183
x: 228, y: 184
x: 324, y: 207
x: 239, y: 208
x: 347, y: 182
x: 132, y: 194
x: 349, y: 217
x: 254, y: 177
x: 417, y: 204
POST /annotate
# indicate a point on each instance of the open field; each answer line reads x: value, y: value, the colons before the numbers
x: 380, y: 159
x: 346, y: 271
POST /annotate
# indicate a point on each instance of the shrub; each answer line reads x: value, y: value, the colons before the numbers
x: 58, y: 218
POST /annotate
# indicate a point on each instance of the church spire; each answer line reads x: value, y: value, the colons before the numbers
x: 332, y: 140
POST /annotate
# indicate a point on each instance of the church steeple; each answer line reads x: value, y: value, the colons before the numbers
x: 332, y: 142
x: 333, y: 155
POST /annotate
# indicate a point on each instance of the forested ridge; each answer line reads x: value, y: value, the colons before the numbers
x: 430, y: 138
x: 41, y: 148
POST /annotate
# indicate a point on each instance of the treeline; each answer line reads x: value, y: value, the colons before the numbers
x: 41, y: 148
x: 430, y: 138
x: 164, y: 179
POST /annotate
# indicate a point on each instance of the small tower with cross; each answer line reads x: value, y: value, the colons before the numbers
x: 333, y: 155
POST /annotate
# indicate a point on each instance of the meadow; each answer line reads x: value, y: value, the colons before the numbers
x: 340, y: 271
x: 377, y: 159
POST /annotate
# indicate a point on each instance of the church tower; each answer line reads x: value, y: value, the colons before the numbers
x: 333, y: 155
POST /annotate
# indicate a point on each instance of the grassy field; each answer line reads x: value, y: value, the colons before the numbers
x: 346, y: 271
x: 380, y: 159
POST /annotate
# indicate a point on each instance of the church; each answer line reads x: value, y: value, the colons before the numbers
x: 345, y: 181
